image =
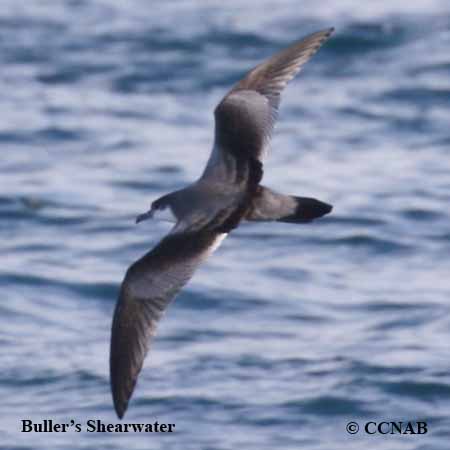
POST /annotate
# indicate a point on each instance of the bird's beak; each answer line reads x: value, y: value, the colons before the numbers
x: 145, y: 216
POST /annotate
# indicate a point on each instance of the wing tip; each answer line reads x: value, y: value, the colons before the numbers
x: 327, y: 31
x: 120, y: 401
x: 321, y: 35
x: 324, y: 34
x: 120, y: 407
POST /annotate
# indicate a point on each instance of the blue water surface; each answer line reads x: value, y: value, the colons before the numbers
x: 288, y: 332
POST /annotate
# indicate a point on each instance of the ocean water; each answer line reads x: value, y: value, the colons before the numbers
x: 288, y: 332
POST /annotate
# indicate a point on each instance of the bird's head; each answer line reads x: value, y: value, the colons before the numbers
x: 160, y: 209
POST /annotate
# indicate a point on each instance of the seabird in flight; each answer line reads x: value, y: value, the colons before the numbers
x: 228, y: 192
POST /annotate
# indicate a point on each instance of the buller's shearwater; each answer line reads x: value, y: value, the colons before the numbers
x: 204, y: 212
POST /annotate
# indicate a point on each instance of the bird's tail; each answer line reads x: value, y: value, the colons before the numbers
x: 307, y: 209
x: 269, y: 205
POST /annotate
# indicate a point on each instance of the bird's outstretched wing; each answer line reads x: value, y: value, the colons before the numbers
x: 246, y: 116
x: 149, y: 286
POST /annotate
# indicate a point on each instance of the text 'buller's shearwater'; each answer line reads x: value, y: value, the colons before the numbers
x: 228, y: 192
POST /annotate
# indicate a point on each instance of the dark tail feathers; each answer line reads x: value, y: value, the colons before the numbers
x: 307, y: 210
